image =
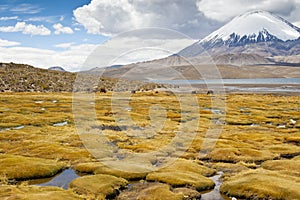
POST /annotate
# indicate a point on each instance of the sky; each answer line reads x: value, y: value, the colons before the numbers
x: 65, y: 32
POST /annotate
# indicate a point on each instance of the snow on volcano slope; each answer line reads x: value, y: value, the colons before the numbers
x: 258, y: 32
x: 256, y: 26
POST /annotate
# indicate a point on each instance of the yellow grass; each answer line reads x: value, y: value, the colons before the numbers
x: 36, y: 193
x: 257, y: 129
x: 262, y: 184
x: 99, y: 186
x: 19, y: 167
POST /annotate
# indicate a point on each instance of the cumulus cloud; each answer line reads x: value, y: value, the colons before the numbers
x: 71, y: 59
x: 136, y: 46
x: 60, y: 29
x: 6, y: 43
x: 26, y: 29
x: 121, y: 50
x: 196, y: 18
x: 113, y: 17
x: 222, y: 11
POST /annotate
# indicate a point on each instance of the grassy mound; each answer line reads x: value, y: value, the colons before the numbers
x: 262, y: 184
x: 291, y: 167
x: 180, y: 178
x: 20, y: 167
x: 98, y: 186
x: 36, y: 193
x: 184, y: 172
x: 148, y: 191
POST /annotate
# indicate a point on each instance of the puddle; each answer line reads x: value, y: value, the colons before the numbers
x: 61, y: 124
x: 60, y: 180
x: 281, y: 126
x: 215, y: 193
x: 18, y: 127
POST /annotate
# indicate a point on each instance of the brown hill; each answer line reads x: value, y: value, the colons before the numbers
x: 26, y: 78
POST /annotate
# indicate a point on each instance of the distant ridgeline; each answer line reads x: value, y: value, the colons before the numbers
x: 26, y: 78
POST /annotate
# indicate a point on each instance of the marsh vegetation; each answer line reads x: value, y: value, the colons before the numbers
x: 258, y: 149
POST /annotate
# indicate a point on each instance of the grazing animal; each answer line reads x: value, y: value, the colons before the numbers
x: 210, y: 92
x: 102, y: 90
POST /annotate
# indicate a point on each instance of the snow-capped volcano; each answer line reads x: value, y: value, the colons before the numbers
x: 252, y: 32
x: 255, y: 26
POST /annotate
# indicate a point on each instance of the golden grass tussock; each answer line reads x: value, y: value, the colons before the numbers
x: 155, y: 191
x: 88, y: 168
x: 129, y: 175
x: 235, y: 155
x: 98, y: 186
x: 262, y: 184
x: 181, y: 178
x: 189, y: 166
x: 99, y: 168
x: 285, y: 166
x: 20, y: 167
x: 36, y: 193
x: 159, y: 192
x: 230, y: 168
x: 184, y: 172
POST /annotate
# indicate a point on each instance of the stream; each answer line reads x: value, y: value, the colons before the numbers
x: 215, y: 193
x: 62, y: 179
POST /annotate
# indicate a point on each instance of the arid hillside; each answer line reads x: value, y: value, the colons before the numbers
x: 26, y: 78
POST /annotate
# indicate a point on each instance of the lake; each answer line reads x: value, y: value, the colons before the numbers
x: 262, y: 81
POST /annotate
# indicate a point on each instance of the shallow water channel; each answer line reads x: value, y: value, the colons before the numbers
x: 62, y: 179
x: 215, y: 193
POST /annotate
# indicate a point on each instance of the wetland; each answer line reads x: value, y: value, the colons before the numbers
x: 256, y: 154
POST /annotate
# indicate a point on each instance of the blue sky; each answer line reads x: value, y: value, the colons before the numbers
x: 47, y: 14
x: 65, y: 32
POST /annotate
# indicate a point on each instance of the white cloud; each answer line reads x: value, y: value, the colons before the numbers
x: 59, y: 28
x: 221, y: 10
x: 113, y: 17
x: 26, y: 29
x: 49, y: 19
x: 64, y: 45
x: 4, y: 7
x: 71, y: 59
x: 121, y: 50
x: 26, y: 8
x: 131, y: 48
x: 6, y: 43
x: 8, y: 18
x: 196, y: 18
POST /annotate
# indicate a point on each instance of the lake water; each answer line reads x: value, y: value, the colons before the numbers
x: 263, y: 81
x: 260, y: 85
